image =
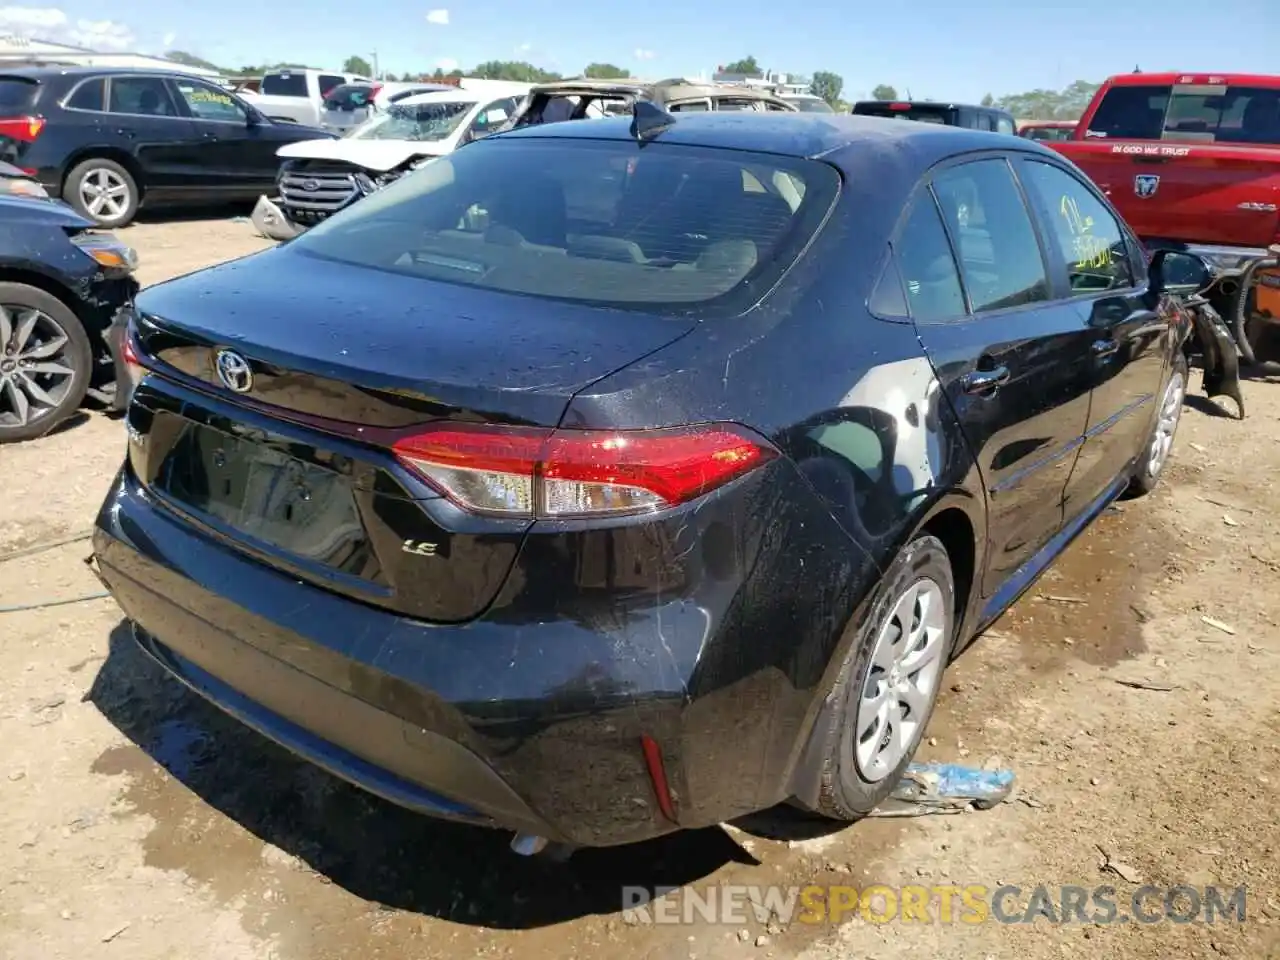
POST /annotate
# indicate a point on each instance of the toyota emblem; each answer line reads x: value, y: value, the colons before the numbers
x: 311, y: 186
x: 234, y: 371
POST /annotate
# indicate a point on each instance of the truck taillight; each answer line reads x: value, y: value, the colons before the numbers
x: 559, y: 474
x: 26, y: 129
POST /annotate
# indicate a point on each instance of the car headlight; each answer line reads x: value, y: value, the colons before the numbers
x: 109, y: 252
x: 23, y: 188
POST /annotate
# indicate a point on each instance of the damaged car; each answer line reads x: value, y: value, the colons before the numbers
x: 607, y: 479
x: 64, y: 288
x: 318, y: 178
x: 584, y: 98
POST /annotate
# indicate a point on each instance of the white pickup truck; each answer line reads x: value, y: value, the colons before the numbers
x: 297, y: 96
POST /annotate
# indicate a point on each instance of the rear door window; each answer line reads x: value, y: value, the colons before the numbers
x: 141, y: 96
x: 90, y: 95
x: 602, y: 222
x: 285, y: 85
x: 999, y: 251
x: 17, y: 94
x: 329, y: 82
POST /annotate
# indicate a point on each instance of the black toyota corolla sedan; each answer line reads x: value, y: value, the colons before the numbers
x: 608, y: 478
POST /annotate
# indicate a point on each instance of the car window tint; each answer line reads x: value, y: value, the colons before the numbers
x: 690, y: 106
x: 210, y: 103
x: 927, y: 265
x: 1235, y: 114
x: 328, y: 82
x: 90, y: 95
x: 1005, y: 125
x: 597, y: 221
x: 284, y: 85
x: 1089, y: 238
x: 1130, y: 113
x: 145, y: 96
x: 999, y: 253
x: 16, y: 94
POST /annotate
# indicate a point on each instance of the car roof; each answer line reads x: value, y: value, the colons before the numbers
x: 796, y: 134
x: 82, y: 70
x: 949, y: 104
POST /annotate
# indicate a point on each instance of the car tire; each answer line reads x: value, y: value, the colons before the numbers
x: 24, y: 389
x: 100, y: 177
x: 1155, y: 454
x: 916, y: 599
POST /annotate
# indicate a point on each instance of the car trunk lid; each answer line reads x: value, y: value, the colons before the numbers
x: 284, y: 450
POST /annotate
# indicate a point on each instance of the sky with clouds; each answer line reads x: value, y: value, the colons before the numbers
x: 934, y: 48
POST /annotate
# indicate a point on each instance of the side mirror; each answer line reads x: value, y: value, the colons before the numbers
x: 1177, y: 272
x: 253, y: 116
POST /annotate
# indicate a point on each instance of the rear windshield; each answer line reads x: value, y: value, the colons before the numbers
x: 415, y: 121
x: 349, y: 96
x: 921, y: 112
x: 16, y: 95
x: 285, y: 85
x: 605, y: 222
x: 810, y: 105
x: 1189, y: 113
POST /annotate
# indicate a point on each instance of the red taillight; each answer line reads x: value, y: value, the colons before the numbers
x: 132, y: 357
x: 373, y: 90
x: 899, y: 106
x: 25, y: 129
x: 533, y: 472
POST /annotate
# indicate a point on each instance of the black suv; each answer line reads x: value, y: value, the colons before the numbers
x: 950, y: 114
x: 108, y: 140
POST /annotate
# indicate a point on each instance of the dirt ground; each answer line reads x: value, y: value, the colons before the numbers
x: 136, y: 821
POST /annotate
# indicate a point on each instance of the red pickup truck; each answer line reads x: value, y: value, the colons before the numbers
x: 1193, y: 159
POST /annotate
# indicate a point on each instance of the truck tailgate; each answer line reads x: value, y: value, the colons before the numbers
x: 1211, y: 193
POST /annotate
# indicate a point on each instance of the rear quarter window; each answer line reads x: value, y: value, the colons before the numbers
x: 667, y: 228
x: 17, y: 94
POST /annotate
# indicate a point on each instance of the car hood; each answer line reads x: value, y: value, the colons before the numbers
x: 377, y: 155
x: 55, y: 213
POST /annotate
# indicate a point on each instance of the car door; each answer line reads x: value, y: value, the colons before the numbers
x: 1012, y: 360
x: 1129, y: 340
x: 145, y: 119
x: 236, y: 158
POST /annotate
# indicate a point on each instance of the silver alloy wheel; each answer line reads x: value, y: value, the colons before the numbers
x: 104, y: 194
x: 35, y: 372
x: 902, y: 680
x: 1166, y: 424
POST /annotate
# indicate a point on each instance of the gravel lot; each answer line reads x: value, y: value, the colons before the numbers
x: 137, y: 822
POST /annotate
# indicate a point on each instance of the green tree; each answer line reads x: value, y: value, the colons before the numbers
x: 515, y: 70
x: 191, y: 60
x: 884, y: 92
x: 1065, y: 104
x: 827, y: 85
x: 605, y: 71
x: 747, y: 66
x: 988, y: 100
x: 357, y: 65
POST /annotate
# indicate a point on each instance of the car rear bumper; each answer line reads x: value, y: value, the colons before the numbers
x: 534, y: 727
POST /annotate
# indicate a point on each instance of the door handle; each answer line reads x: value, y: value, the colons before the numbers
x: 985, y: 381
x: 1104, y: 348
